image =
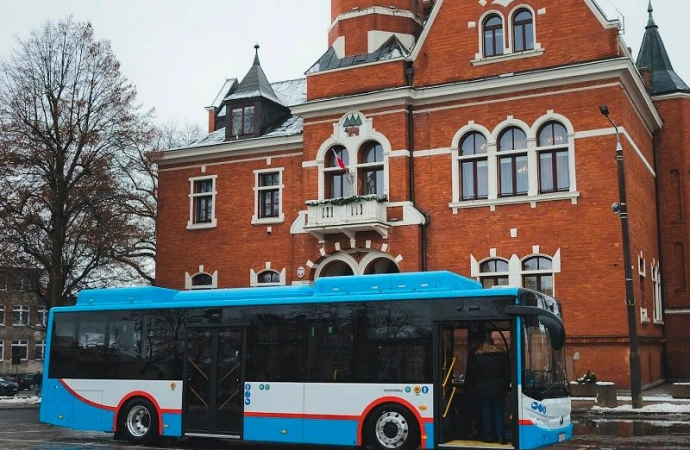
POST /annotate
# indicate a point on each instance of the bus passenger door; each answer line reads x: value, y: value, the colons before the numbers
x: 214, y: 378
x: 455, y: 407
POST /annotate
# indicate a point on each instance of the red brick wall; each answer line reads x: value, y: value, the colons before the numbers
x: 673, y: 168
x: 355, y: 30
x: 568, y: 32
x: 356, y: 79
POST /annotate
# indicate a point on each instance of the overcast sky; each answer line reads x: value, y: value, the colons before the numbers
x: 178, y: 52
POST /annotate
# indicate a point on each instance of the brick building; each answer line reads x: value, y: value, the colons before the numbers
x: 22, y: 321
x: 464, y: 136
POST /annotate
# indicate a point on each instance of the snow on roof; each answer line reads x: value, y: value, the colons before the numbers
x: 218, y: 101
x: 291, y: 92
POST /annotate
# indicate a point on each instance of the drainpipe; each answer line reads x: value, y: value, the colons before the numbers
x: 409, y: 73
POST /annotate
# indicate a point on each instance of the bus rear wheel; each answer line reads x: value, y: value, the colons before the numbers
x: 392, y: 427
x: 139, y: 422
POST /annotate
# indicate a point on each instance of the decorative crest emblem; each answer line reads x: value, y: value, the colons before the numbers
x: 352, y: 124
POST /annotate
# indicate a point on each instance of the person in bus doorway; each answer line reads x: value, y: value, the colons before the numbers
x: 490, y: 370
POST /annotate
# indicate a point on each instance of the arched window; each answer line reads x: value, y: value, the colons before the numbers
x: 381, y: 265
x: 336, y: 269
x: 268, y: 278
x: 371, y: 169
x: 512, y: 161
x: 493, y: 272
x: 338, y: 182
x: 493, y: 35
x: 202, y: 281
x: 537, y: 274
x: 474, y: 170
x: 523, y: 31
x: 554, y: 168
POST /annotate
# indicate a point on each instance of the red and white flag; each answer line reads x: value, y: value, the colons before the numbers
x: 340, y: 162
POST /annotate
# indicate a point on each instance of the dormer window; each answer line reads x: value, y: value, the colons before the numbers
x: 493, y: 35
x: 523, y: 31
x: 242, y: 121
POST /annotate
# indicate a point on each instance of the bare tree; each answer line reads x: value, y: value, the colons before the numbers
x: 70, y: 132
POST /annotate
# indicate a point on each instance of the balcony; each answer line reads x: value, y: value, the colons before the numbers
x: 347, y: 215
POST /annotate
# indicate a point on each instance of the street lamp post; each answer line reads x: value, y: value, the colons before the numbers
x: 622, y: 211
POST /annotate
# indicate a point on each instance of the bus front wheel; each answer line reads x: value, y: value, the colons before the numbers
x: 392, y: 427
x: 139, y: 422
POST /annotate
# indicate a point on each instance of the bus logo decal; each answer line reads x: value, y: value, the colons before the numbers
x: 539, y: 407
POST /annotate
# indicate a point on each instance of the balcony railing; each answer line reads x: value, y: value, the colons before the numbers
x: 347, y: 215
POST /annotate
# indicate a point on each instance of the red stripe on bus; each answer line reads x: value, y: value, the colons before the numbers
x: 360, y: 419
x: 84, y: 399
x: 124, y: 399
x: 277, y: 415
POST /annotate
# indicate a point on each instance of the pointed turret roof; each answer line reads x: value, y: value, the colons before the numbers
x: 254, y: 83
x: 653, y: 57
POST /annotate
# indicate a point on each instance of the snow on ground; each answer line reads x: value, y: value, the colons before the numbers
x: 21, y: 400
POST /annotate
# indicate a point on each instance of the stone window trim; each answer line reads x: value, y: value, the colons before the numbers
x: 352, y: 145
x: 255, y: 276
x: 515, y: 266
x: 189, y: 279
x: 257, y: 218
x: 493, y: 29
x: 508, y: 38
x: 194, y: 197
x: 533, y: 150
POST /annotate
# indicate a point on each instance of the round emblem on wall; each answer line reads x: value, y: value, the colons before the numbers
x: 300, y: 272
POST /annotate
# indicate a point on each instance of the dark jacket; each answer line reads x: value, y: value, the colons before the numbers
x: 490, y: 372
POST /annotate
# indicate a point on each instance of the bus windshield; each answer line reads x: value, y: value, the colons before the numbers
x: 544, y: 372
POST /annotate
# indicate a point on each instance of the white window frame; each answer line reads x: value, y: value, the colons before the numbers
x: 493, y: 157
x: 188, y: 277
x: 658, y: 314
x: 254, y: 276
x: 258, y: 189
x: 23, y: 345
x: 550, y: 271
x: 23, y: 311
x: 515, y: 271
x: 505, y: 274
x: 352, y: 146
x: 191, y: 224
x: 40, y: 344
x: 508, y: 52
x: 41, y: 315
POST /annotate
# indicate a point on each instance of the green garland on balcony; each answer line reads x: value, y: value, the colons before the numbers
x: 340, y: 201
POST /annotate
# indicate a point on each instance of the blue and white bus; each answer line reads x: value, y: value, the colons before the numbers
x: 376, y: 360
